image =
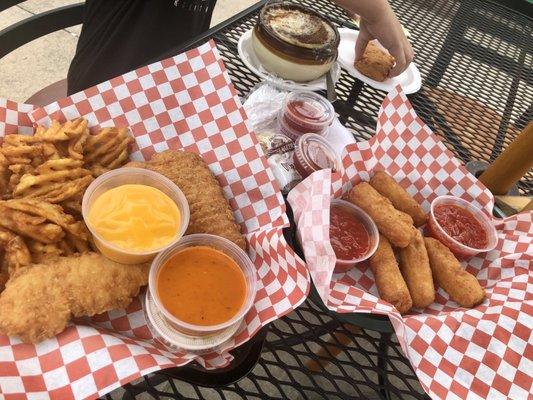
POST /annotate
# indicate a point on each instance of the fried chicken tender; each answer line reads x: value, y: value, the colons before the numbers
x: 448, y: 273
x: 210, y: 211
x: 39, y: 301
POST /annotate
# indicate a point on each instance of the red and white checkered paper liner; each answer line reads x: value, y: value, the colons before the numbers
x: 457, y: 353
x: 185, y: 102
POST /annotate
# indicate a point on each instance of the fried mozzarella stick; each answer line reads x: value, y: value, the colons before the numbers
x: 400, y: 199
x: 39, y: 300
x: 462, y: 286
x: 393, y: 224
x: 210, y: 211
x: 414, y: 266
x: 389, y: 280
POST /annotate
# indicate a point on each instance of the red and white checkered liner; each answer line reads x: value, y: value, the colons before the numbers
x: 186, y: 102
x: 457, y: 353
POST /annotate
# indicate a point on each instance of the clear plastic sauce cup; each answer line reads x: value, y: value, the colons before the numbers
x: 305, y: 112
x: 459, y: 249
x: 218, y: 243
x: 313, y: 153
x: 344, y: 265
x: 124, y: 176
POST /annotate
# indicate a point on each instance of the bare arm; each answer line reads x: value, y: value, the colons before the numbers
x: 378, y: 21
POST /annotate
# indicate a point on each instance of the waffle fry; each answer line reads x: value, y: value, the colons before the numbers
x: 76, y: 145
x: 107, y: 150
x: 54, y: 181
x: 41, y: 252
x: 16, y: 253
x: 4, y: 175
x: 22, y: 149
x: 49, y: 212
x: 42, y: 181
x: 18, y: 222
x: 72, y: 206
x: 61, y: 132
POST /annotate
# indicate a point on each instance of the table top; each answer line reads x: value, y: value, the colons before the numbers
x: 476, y: 63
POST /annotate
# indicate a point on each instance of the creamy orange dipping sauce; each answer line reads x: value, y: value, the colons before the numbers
x: 135, y: 217
x: 202, y: 286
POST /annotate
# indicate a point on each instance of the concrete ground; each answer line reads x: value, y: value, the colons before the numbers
x: 46, y: 60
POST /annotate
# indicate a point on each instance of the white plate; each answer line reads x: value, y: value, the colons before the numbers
x: 409, y: 79
x: 248, y: 57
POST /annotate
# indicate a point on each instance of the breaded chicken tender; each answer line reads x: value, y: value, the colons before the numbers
x: 393, y: 224
x: 448, y: 273
x: 40, y: 299
x: 210, y: 211
x: 400, y: 199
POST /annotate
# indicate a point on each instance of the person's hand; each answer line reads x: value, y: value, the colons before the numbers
x: 386, y: 28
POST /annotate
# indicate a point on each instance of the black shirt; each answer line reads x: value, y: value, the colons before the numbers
x: 120, y: 35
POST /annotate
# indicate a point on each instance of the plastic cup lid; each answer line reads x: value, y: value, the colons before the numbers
x: 165, y: 332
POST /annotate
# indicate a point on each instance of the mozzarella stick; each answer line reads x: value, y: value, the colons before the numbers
x: 414, y: 265
x: 393, y: 224
x: 462, y: 286
x: 389, y: 280
x: 400, y: 199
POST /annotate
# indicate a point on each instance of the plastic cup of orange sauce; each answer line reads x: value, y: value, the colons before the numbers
x: 202, y: 286
x: 134, y: 213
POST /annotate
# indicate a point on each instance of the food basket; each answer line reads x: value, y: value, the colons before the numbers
x: 455, y: 352
x: 184, y: 102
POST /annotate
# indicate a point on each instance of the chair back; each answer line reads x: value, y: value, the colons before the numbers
x: 31, y: 28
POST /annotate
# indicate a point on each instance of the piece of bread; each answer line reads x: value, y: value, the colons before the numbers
x: 376, y: 63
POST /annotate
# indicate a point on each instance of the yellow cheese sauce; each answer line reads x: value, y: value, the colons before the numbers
x: 135, y: 217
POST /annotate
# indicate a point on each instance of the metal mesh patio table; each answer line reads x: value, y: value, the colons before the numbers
x: 476, y: 62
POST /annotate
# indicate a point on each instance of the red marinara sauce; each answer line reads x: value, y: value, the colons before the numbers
x: 306, y: 117
x: 348, y: 236
x: 461, y: 225
x: 305, y: 109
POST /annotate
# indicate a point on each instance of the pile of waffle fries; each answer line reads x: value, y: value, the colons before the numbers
x: 42, y: 181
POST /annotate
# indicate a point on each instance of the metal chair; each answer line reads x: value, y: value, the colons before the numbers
x: 34, y: 27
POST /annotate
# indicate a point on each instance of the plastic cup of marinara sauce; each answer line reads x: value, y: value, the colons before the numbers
x: 353, y: 234
x: 460, y: 226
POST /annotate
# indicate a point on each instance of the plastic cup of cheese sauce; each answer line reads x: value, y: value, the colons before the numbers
x: 202, y: 286
x: 145, y: 210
